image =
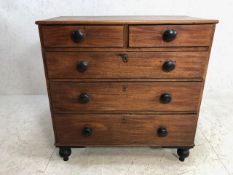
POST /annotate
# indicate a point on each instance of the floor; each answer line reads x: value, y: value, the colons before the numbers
x: 26, y: 144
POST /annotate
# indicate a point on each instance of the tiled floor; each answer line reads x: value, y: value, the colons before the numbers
x: 26, y: 144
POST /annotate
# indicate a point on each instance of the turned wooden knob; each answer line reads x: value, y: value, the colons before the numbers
x: 165, y: 98
x: 86, y: 131
x: 162, y: 132
x: 84, y: 98
x: 168, y: 66
x: 169, y: 35
x: 77, y: 36
x: 82, y: 66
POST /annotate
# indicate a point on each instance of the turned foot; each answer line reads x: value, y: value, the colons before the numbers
x: 65, y: 152
x: 183, y: 153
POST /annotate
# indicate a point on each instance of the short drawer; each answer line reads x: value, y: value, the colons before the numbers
x: 126, y: 64
x: 82, y: 36
x: 170, y: 35
x: 144, y: 130
x: 125, y: 97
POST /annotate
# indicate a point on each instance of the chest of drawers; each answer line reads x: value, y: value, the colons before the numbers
x: 125, y: 81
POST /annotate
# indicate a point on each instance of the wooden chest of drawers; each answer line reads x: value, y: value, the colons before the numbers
x: 125, y: 81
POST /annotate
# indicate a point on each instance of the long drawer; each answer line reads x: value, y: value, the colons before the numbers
x: 126, y: 64
x: 119, y: 96
x: 151, y: 130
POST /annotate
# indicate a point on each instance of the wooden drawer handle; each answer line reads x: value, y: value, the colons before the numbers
x: 82, y: 66
x: 86, y: 131
x: 169, y: 66
x: 165, y: 98
x: 169, y: 35
x: 162, y: 132
x: 77, y: 36
x: 84, y: 98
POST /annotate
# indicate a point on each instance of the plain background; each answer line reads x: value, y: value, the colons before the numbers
x: 24, y: 118
x: 21, y: 67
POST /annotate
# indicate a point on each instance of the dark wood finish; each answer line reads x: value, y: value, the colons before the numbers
x: 206, y: 67
x: 139, y: 65
x: 126, y: 36
x: 125, y: 81
x: 146, y: 49
x: 47, y: 81
x: 67, y: 20
x: 95, y: 36
x: 125, y: 97
x: 65, y: 152
x: 187, y: 35
x: 183, y: 153
x: 125, y: 129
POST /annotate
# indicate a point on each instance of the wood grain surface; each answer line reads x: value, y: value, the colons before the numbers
x: 125, y: 97
x: 95, y: 36
x: 133, y: 130
x: 187, y: 35
x: 140, y: 65
x: 125, y: 107
x: 67, y: 20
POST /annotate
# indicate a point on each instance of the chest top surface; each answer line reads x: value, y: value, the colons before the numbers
x: 125, y: 20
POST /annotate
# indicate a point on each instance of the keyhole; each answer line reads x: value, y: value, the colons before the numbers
x: 124, y: 88
x: 124, y: 119
x: 125, y: 58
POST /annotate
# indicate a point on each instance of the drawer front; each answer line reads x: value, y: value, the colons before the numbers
x: 134, y: 97
x: 126, y: 65
x: 151, y: 130
x: 170, y: 35
x: 82, y: 36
